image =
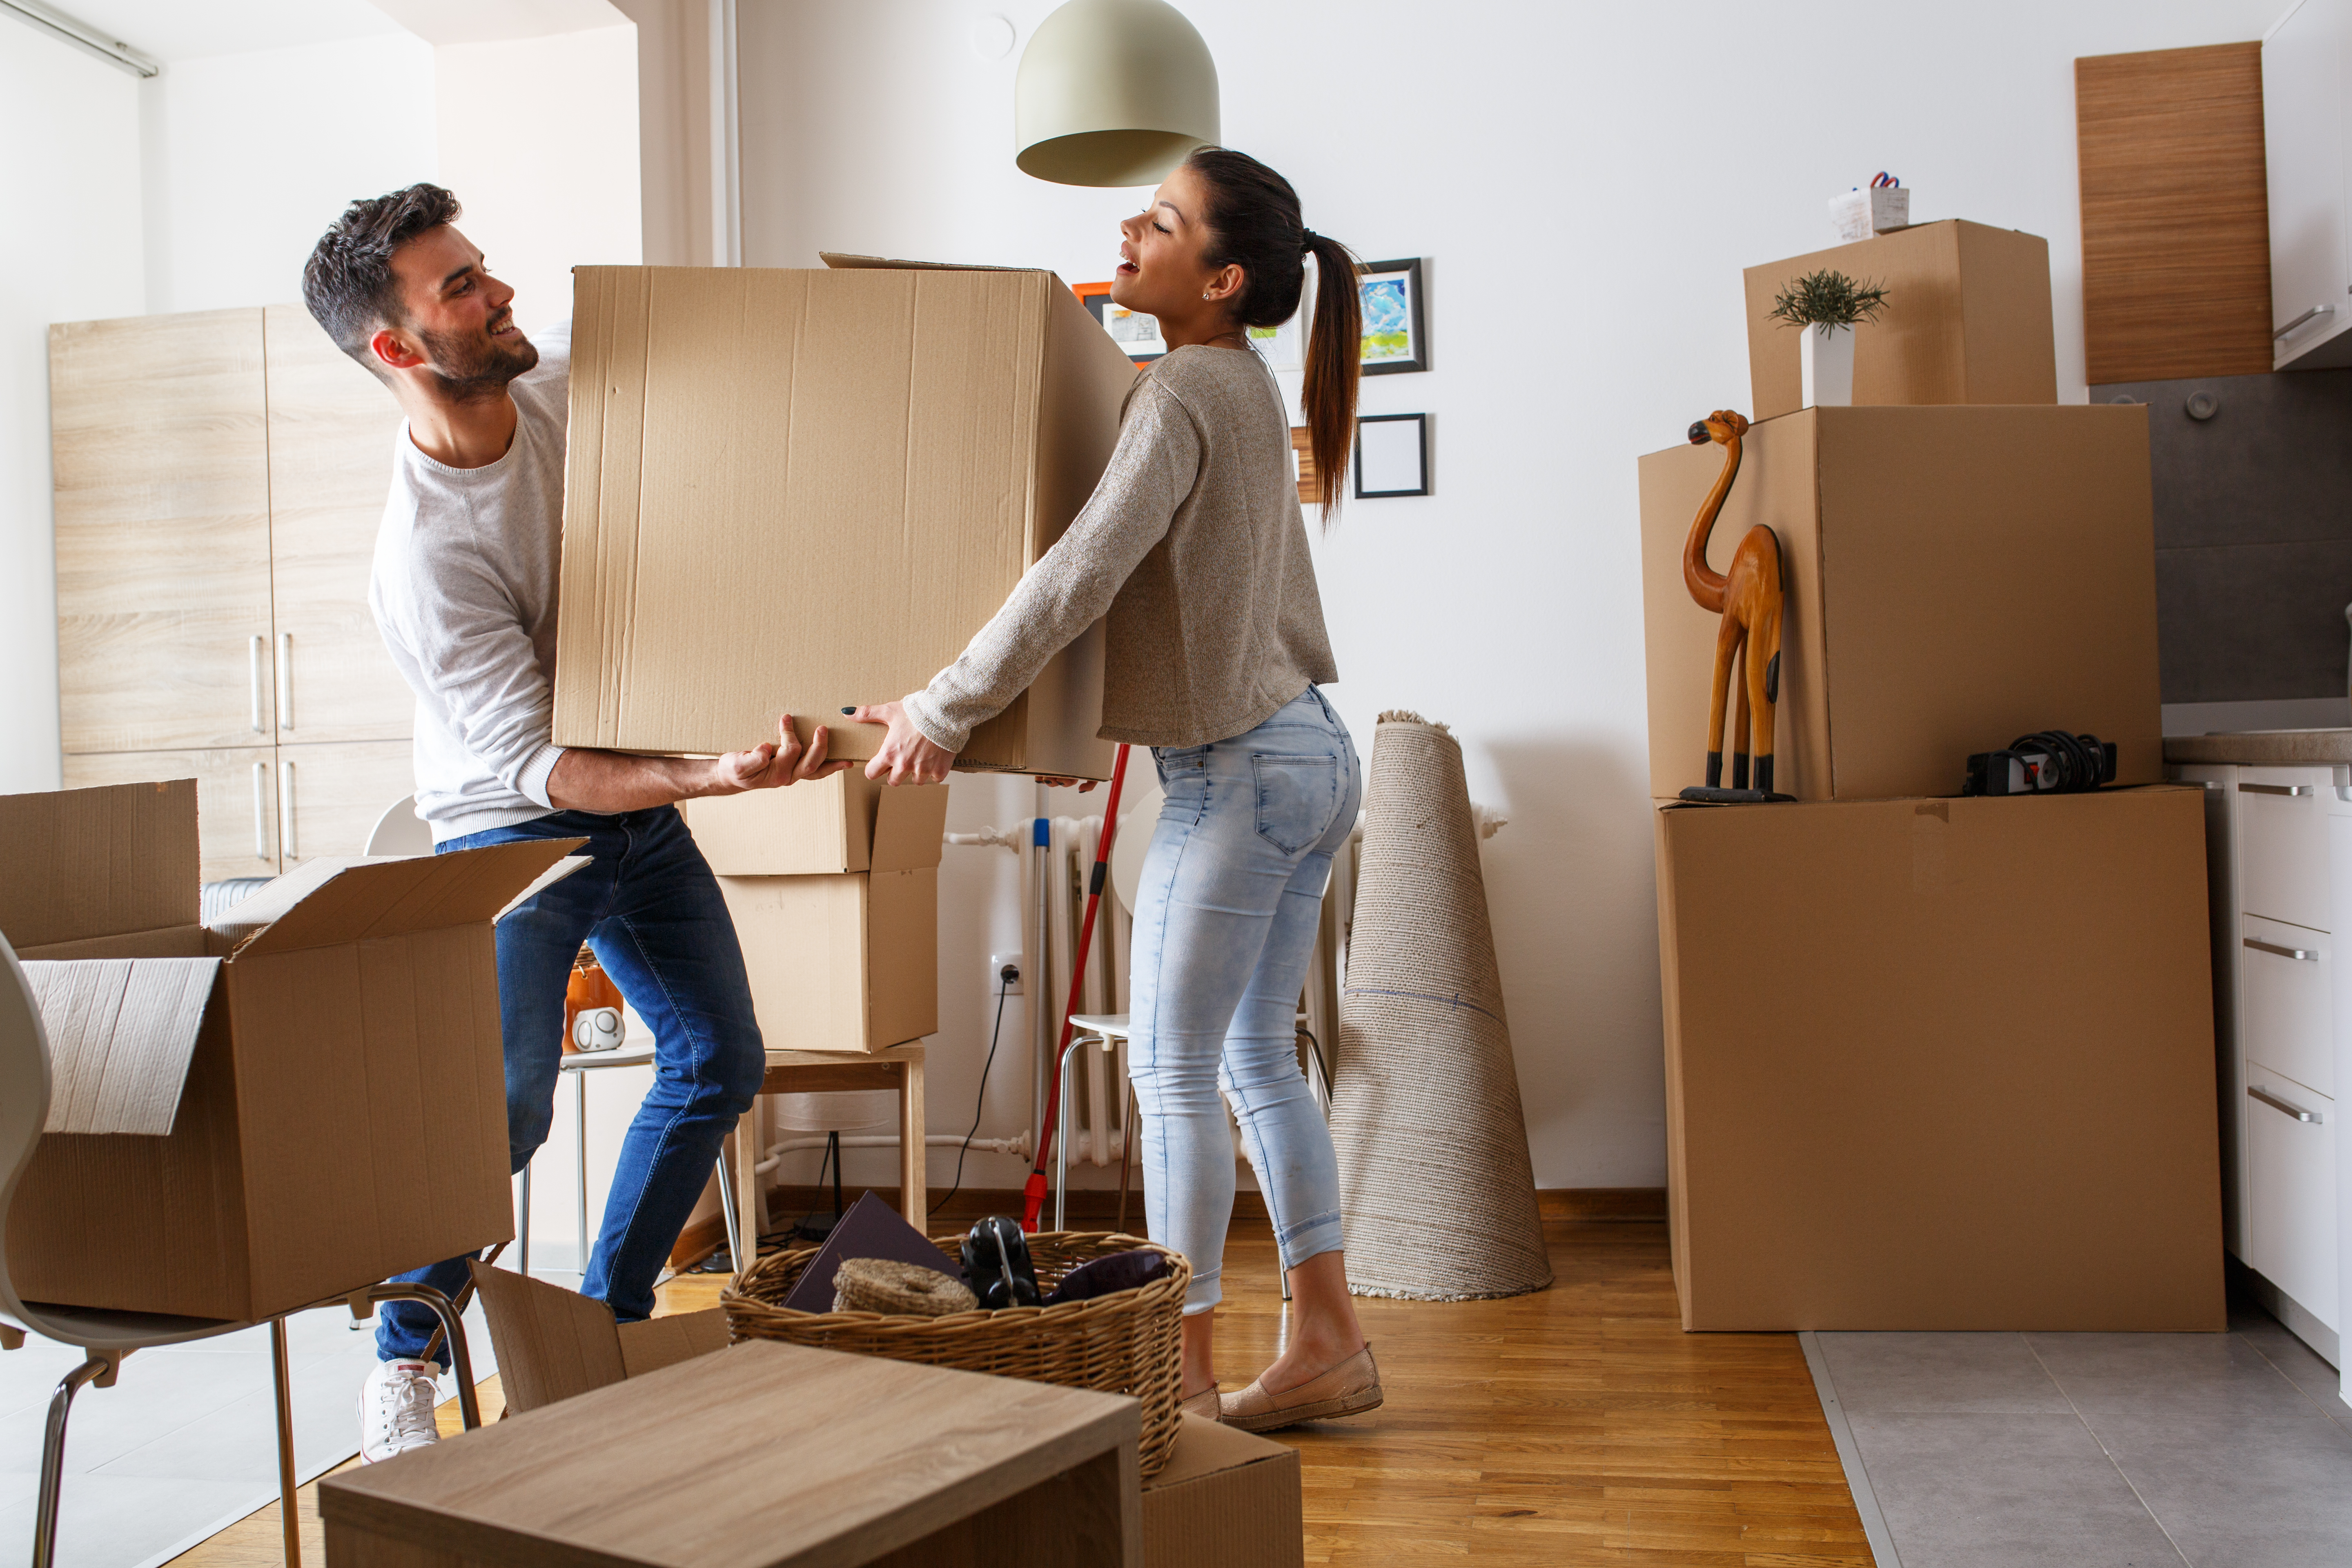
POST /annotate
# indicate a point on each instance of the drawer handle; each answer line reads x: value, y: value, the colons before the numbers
x: 2308, y: 954
x: 2312, y: 314
x: 260, y: 813
x: 256, y: 650
x: 2276, y: 1103
x: 2279, y: 789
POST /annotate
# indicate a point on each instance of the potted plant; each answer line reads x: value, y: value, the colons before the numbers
x: 1824, y: 307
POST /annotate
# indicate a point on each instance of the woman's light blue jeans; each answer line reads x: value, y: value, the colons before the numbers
x: 1225, y: 916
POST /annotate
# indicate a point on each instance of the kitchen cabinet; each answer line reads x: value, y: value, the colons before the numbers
x: 2306, y: 71
x: 220, y: 476
x: 2290, y: 1211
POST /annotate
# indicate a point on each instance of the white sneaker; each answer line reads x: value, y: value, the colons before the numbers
x: 397, y: 1409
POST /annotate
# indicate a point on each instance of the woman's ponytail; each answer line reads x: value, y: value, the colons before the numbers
x: 1253, y: 224
x: 1334, y: 365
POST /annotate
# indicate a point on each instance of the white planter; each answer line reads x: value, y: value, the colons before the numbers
x: 1825, y: 355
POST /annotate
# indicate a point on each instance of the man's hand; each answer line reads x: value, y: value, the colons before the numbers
x: 773, y: 764
x: 1054, y: 781
x: 907, y: 755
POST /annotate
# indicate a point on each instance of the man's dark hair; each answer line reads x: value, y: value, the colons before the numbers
x: 348, y: 283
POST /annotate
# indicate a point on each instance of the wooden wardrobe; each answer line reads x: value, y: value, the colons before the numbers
x: 220, y: 476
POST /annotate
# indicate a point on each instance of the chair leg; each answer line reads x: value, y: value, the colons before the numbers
x: 289, y: 1514
x: 100, y: 1366
x: 470, y: 1407
x: 726, y: 1213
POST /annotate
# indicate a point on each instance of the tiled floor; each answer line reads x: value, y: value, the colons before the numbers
x: 2098, y: 1450
x: 187, y: 1440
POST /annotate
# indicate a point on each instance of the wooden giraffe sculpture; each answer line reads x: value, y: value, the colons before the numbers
x: 1749, y: 599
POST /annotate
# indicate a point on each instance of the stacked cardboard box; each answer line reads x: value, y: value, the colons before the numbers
x: 835, y: 888
x: 1932, y: 1063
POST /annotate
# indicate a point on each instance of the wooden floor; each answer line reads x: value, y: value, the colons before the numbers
x: 1578, y: 1425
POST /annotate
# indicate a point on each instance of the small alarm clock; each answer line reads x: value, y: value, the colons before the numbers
x: 596, y: 1029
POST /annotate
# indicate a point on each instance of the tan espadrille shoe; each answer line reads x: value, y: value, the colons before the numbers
x: 1205, y: 1404
x: 1350, y: 1388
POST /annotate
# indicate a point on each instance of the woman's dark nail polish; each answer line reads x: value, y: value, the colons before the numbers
x: 849, y: 710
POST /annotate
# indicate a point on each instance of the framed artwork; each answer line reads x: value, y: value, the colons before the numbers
x: 1394, y: 339
x: 1391, y: 456
x: 1138, y: 335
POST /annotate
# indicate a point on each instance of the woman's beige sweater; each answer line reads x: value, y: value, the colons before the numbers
x: 1195, y: 543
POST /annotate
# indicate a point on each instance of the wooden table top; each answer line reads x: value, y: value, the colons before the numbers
x: 760, y: 1456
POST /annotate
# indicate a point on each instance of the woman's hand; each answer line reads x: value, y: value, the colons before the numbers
x: 907, y: 755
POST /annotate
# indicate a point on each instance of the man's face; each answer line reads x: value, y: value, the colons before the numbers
x: 460, y: 319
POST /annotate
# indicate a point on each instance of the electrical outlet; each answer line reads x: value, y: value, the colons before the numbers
x: 997, y: 962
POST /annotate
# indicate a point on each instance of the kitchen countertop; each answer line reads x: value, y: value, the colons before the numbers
x: 2274, y: 748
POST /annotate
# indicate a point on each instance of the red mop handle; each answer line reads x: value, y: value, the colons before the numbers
x: 1032, y: 1193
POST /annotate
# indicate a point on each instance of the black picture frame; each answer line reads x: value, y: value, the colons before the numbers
x: 1095, y: 297
x: 1420, y: 422
x: 1416, y: 328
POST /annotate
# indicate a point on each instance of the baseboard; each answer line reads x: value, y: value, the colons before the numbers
x: 1621, y: 1205
x: 2298, y: 1319
x: 699, y: 1240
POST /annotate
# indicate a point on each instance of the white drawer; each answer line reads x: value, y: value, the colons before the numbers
x: 2291, y: 1181
x: 2284, y: 978
x: 2282, y: 843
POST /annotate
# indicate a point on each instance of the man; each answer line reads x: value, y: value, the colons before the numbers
x: 464, y: 592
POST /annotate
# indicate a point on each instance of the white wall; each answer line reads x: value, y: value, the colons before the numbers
x: 69, y: 184
x: 538, y: 138
x: 1587, y: 182
x: 250, y: 156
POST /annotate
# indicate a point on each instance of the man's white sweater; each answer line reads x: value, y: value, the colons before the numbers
x: 464, y: 591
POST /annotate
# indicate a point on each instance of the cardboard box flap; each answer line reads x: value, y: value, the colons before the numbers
x: 552, y: 875
x: 658, y: 1343
x: 98, y: 862
x: 551, y: 1342
x: 1207, y: 1447
x: 842, y: 262
x: 122, y: 1031
x: 910, y: 825
x: 331, y: 901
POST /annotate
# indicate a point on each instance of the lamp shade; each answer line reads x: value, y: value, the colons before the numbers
x: 1112, y: 92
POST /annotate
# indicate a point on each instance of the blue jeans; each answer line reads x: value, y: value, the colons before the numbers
x: 1225, y: 916
x: 649, y: 907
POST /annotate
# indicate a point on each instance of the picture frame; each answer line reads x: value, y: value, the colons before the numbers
x: 1138, y: 335
x: 1391, y: 456
x: 1396, y: 337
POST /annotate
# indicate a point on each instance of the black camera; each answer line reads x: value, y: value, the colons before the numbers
x: 996, y: 1264
x: 2048, y: 762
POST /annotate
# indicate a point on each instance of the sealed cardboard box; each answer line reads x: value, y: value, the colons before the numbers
x: 844, y: 823
x: 1954, y: 578
x: 1941, y: 1064
x: 846, y: 962
x: 301, y: 1099
x: 1967, y: 320
x: 791, y: 491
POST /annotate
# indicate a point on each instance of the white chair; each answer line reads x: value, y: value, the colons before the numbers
x: 105, y: 1337
x: 400, y: 831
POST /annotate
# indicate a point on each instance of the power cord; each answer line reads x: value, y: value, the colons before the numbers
x: 1004, y: 979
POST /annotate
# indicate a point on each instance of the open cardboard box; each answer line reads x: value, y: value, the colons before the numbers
x: 791, y: 489
x: 834, y: 886
x: 1226, y: 1497
x: 297, y: 1100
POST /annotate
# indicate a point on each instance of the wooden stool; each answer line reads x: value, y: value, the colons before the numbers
x: 899, y: 1068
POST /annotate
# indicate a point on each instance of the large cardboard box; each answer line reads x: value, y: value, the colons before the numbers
x: 299, y: 1099
x: 834, y: 886
x: 791, y: 491
x: 1954, y: 578
x: 1941, y: 1064
x: 1225, y: 1497
x: 1967, y: 320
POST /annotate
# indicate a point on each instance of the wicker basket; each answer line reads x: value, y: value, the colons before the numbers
x: 1125, y: 1343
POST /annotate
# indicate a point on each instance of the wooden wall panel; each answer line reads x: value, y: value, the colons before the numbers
x: 2175, y: 214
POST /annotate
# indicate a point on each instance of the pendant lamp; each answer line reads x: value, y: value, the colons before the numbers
x: 1113, y: 92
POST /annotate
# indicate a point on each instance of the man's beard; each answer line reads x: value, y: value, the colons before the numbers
x: 471, y: 366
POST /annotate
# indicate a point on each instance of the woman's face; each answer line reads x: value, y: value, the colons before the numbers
x: 1161, y: 272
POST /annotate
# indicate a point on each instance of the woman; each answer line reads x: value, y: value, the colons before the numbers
x: 1195, y: 543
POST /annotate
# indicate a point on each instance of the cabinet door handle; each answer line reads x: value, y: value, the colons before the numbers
x: 2315, y: 312
x: 2308, y: 954
x: 256, y: 649
x: 2279, y: 789
x: 286, y: 811
x: 286, y: 680
x: 2255, y: 1092
x: 261, y: 810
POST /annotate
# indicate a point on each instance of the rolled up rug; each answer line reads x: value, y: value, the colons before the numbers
x: 1439, y: 1190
